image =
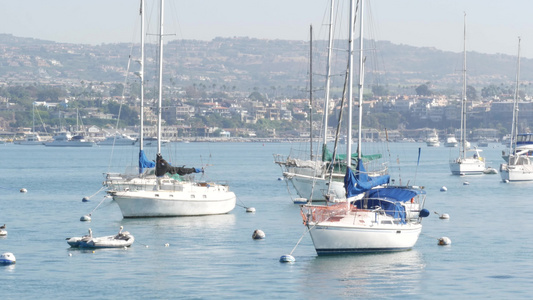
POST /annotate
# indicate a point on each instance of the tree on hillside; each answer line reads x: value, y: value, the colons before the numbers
x: 423, y: 90
x: 471, y: 93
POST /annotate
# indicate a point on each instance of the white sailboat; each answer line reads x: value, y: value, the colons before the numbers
x: 464, y: 165
x: 387, y: 218
x: 313, y: 178
x: 519, y: 166
x: 32, y: 138
x: 165, y: 196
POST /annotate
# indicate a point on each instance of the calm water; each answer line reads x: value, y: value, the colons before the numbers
x: 215, y: 257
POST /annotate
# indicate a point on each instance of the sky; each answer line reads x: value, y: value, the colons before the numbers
x: 492, y: 26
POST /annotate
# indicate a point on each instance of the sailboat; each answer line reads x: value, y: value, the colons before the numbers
x: 33, y: 137
x: 387, y: 218
x: 319, y: 179
x: 519, y: 166
x: 166, y: 195
x: 463, y: 165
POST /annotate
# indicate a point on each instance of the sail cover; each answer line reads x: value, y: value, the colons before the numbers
x: 144, y: 162
x: 164, y: 167
x: 360, y: 183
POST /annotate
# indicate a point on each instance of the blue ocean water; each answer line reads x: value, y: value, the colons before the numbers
x: 215, y: 257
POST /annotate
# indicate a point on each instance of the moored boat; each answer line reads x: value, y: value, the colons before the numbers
x: 120, y: 240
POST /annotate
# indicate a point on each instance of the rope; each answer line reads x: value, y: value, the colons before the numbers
x: 102, y: 188
x: 97, y: 205
x: 308, y: 229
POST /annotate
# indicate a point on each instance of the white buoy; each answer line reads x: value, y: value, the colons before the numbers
x: 85, y: 218
x: 287, y: 258
x: 85, y: 199
x: 125, y: 248
x: 70, y: 254
x: 444, y: 216
x: 443, y: 189
x: 445, y: 241
x: 23, y: 190
x: 280, y: 178
x: 167, y: 245
x: 466, y: 183
x: 7, y: 258
x: 258, y: 234
x: 250, y: 209
x: 3, y: 232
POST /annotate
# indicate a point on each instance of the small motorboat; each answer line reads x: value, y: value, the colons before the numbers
x: 490, y: 170
x: 120, y: 240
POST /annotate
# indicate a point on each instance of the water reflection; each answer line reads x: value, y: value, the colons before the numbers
x: 367, y: 275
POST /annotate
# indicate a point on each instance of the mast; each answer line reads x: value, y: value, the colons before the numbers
x: 311, y: 90
x: 514, y: 125
x: 160, y: 96
x: 141, y: 76
x: 361, y: 81
x: 463, y: 104
x: 350, y: 86
x: 328, y: 74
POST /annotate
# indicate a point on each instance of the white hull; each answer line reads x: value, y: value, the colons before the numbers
x: 192, y: 199
x: 69, y: 144
x: 317, y: 187
x: 467, y: 166
x: 433, y: 143
x: 367, y: 235
x: 516, y: 172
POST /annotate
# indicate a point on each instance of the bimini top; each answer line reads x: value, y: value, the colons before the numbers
x: 395, y: 194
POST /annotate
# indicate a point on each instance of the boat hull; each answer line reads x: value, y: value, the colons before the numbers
x: 516, y: 172
x: 192, y: 200
x: 330, y: 239
x: 315, y: 187
x: 468, y: 166
x: 70, y: 144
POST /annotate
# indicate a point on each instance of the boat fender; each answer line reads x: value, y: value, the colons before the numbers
x: 445, y: 241
x: 412, y: 200
x: 258, y: 234
x: 423, y: 213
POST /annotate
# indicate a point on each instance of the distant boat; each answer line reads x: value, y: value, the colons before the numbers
x: 31, y: 139
x: 65, y: 139
x: 451, y: 141
x: 118, y: 140
x: 464, y: 165
x: 433, y: 139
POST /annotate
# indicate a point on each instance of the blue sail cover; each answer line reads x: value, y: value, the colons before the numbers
x: 389, y: 199
x: 360, y: 183
x: 144, y: 162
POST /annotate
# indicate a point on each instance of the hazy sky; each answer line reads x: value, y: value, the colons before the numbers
x: 493, y: 26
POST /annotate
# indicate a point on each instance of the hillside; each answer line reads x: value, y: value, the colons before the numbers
x: 247, y: 64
